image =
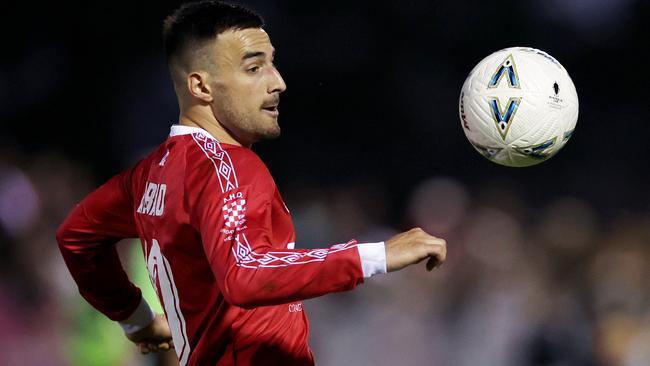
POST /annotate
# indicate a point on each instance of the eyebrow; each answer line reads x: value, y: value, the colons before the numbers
x: 248, y: 55
x: 253, y: 54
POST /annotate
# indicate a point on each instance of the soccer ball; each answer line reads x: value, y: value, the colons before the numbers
x: 518, y: 107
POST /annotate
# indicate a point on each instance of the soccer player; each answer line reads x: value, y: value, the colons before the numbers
x: 217, y: 237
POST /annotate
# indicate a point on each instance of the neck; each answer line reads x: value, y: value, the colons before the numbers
x: 208, y: 122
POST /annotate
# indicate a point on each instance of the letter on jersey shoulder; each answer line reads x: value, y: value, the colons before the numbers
x: 153, y: 199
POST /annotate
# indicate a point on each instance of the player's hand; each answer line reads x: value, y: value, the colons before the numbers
x: 154, y: 338
x: 412, y: 247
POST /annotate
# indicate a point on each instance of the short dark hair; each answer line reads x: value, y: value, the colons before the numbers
x: 199, y: 21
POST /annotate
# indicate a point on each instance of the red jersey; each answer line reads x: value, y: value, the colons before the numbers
x: 219, y: 246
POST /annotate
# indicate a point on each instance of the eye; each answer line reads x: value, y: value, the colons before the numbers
x: 253, y: 69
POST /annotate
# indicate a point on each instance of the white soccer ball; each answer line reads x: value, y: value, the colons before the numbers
x: 518, y: 107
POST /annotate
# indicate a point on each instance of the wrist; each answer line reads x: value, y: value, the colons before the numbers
x: 373, y: 258
x: 140, y: 319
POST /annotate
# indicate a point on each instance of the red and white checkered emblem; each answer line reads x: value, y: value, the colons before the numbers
x: 234, y: 212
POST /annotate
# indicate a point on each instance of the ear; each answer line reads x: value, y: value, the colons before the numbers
x: 197, y: 84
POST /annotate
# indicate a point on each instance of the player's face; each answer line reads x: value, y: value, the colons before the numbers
x: 247, y: 85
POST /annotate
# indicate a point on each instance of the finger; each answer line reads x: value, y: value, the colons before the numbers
x: 432, y: 263
x: 164, y: 346
x: 432, y: 250
x: 432, y: 240
x: 153, y: 347
x: 439, y: 250
x: 443, y: 253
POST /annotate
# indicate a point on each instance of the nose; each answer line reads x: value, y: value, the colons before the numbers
x: 276, y: 84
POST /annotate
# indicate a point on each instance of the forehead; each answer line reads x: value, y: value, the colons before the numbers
x: 238, y: 42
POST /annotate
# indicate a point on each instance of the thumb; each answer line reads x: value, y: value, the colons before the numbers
x: 433, y: 262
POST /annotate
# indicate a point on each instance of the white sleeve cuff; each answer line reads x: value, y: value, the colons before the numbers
x: 141, y: 318
x: 373, y: 258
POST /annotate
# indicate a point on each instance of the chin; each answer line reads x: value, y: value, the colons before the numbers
x: 271, y: 131
x: 271, y: 134
x: 268, y: 134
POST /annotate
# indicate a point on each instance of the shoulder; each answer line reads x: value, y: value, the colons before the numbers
x: 233, y: 166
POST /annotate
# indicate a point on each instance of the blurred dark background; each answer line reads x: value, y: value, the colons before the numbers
x: 371, y: 145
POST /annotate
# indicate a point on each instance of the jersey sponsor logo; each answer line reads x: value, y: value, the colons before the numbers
x: 153, y: 200
x: 295, y: 307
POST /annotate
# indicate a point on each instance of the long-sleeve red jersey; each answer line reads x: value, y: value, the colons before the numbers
x: 219, y: 246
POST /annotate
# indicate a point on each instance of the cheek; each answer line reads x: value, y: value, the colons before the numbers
x: 242, y: 94
x: 233, y: 107
x: 223, y: 109
x: 238, y: 98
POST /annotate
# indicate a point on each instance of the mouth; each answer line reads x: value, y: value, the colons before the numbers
x: 272, y: 110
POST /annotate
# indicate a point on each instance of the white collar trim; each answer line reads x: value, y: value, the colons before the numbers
x: 178, y: 130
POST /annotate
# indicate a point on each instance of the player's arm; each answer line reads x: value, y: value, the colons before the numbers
x: 249, y: 268
x: 87, y: 241
x: 252, y: 272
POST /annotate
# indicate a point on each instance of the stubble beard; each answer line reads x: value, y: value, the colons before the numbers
x: 250, y: 127
x: 272, y: 132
